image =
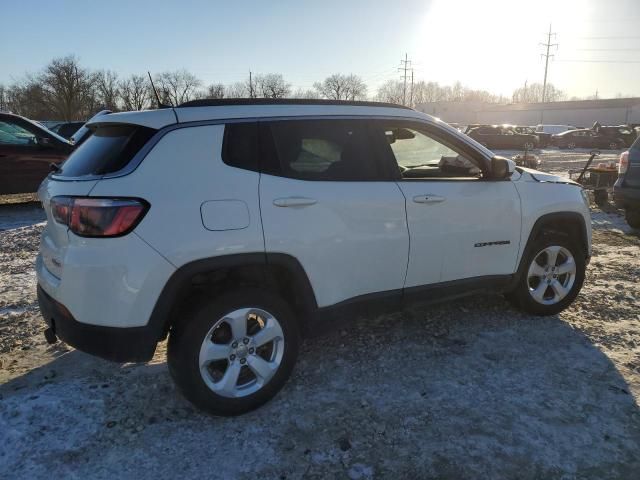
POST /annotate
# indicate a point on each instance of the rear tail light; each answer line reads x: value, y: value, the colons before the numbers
x: 624, y: 162
x: 98, y: 217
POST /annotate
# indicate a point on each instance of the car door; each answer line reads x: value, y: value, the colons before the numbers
x: 24, y: 156
x: 461, y: 226
x: 325, y: 202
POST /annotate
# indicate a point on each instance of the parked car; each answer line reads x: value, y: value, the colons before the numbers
x: 26, y: 151
x: 586, y: 138
x: 502, y: 137
x: 544, y: 139
x: 84, y: 132
x: 624, y: 133
x: 554, y: 129
x: 235, y: 226
x: 626, y: 190
x: 67, y: 129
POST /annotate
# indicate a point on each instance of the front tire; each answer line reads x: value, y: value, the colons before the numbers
x: 551, y: 276
x: 233, y: 353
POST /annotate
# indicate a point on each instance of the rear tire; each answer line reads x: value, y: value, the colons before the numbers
x: 563, y: 283
x: 632, y: 217
x: 232, y: 380
x: 601, y: 197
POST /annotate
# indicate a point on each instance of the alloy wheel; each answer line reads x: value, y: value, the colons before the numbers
x: 571, y: 145
x: 551, y: 275
x: 241, y: 352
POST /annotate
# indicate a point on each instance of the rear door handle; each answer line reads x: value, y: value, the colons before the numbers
x: 428, y: 198
x: 294, y: 202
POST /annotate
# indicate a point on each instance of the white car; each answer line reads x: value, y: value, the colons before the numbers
x: 554, y: 129
x: 235, y: 226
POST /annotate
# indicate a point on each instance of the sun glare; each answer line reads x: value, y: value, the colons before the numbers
x: 492, y: 45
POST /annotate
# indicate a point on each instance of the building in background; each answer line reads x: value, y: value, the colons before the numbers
x: 581, y: 113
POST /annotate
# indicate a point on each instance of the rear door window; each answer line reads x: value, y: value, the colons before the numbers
x: 332, y: 150
x: 108, y: 149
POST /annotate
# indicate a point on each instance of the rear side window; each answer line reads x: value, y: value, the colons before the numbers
x: 240, y: 145
x: 108, y: 149
x: 330, y: 150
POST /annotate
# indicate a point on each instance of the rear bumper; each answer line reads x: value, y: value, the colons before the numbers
x: 135, y: 344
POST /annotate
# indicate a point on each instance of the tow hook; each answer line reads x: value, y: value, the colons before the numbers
x: 50, y: 336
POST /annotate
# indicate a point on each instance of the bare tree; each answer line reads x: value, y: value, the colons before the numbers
x: 391, y: 92
x: 3, y: 98
x: 215, y: 90
x: 237, y: 90
x: 68, y: 89
x: 135, y: 92
x: 271, y: 85
x: 107, y: 89
x: 533, y: 93
x: 26, y: 98
x: 305, y: 94
x: 342, y: 87
x: 177, y: 87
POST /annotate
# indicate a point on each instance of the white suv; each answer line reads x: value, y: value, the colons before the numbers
x: 236, y: 227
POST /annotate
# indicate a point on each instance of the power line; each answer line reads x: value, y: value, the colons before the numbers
x: 611, y: 38
x: 608, y: 49
x: 598, y: 61
x: 546, y: 62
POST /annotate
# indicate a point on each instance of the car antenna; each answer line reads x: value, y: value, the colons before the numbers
x: 160, y: 104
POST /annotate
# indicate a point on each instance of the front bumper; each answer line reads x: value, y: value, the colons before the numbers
x: 135, y: 344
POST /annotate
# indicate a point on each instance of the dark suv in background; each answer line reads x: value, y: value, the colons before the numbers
x: 626, y: 191
x: 501, y: 137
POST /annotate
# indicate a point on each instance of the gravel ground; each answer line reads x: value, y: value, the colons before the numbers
x: 468, y: 389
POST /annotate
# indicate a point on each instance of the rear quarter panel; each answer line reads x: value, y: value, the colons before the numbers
x: 182, y: 176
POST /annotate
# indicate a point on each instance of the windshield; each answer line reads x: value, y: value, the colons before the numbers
x: 48, y: 132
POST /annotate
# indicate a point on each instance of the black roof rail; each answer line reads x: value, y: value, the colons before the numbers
x: 221, y: 102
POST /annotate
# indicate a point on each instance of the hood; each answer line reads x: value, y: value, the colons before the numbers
x: 547, y: 177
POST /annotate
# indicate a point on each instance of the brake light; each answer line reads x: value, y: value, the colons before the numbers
x: 624, y: 162
x: 98, y: 217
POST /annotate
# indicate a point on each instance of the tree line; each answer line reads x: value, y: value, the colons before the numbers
x: 65, y: 90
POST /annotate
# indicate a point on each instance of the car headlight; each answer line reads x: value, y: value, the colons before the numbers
x: 585, y: 196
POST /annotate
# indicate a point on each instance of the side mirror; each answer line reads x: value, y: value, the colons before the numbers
x: 502, y: 168
x: 44, y: 141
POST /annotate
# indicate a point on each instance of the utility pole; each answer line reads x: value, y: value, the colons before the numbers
x: 411, y: 95
x: 546, y: 63
x: 251, y: 92
x: 405, y: 65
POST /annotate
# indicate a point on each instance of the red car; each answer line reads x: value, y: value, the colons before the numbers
x: 27, y: 150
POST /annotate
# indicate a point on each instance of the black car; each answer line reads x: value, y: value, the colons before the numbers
x: 67, y: 129
x: 586, y: 138
x: 27, y: 149
x: 544, y: 139
x: 502, y: 137
x: 626, y: 191
x: 625, y: 133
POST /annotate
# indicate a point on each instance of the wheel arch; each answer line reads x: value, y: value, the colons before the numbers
x: 195, y: 279
x: 563, y: 223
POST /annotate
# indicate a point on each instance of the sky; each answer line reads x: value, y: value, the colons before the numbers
x: 485, y: 44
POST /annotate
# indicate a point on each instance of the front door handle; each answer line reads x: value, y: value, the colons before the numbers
x: 294, y: 202
x: 428, y: 198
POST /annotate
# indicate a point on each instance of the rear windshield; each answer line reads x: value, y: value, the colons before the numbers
x: 107, y: 150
